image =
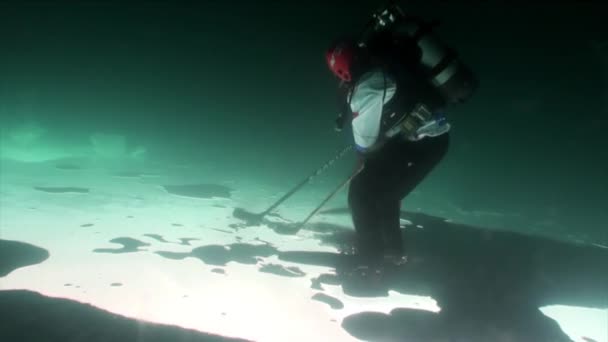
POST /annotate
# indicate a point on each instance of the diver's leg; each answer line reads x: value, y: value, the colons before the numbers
x: 391, y: 229
x: 361, y: 200
x: 422, y: 157
x: 372, y: 201
x: 375, y: 194
x: 411, y: 163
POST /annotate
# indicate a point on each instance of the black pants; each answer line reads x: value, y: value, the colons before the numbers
x: 375, y: 194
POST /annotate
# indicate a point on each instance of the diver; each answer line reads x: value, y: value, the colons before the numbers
x: 396, y: 83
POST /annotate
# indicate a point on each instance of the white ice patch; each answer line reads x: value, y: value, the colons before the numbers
x: 404, y: 222
x: 580, y: 323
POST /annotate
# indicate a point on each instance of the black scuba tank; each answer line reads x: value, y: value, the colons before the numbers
x: 445, y: 71
x: 442, y: 69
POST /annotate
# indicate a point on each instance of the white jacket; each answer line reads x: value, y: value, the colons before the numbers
x: 366, y: 105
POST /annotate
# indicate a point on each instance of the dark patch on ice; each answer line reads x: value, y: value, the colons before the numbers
x: 34, y: 317
x: 129, y: 245
x: 87, y: 225
x: 343, y: 239
x: 588, y: 339
x: 322, y: 227
x: 186, y: 241
x: 173, y: 255
x: 68, y: 284
x: 333, y: 302
x: 236, y: 226
x: 177, y: 224
x: 403, y: 214
x: 129, y: 217
x: 285, y: 228
x: 15, y: 254
x: 411, y: 325
x: 116, y: 284
x: 157, y: 237
x: 218, y: 255
x: 407, y: 324
x: 316, y: 285
x: 281, y: 270
x: 199, y: 190
x: 329, y: 279
x: 273, y: 221
x: 218, y: 270
x: 262, y: 241
x: 66, y: 166
x: 223, y: 231
x: 62, y: 190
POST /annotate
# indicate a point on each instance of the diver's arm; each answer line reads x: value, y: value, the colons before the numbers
x: 369, y: 96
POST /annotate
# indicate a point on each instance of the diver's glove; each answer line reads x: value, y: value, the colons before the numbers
x: 344, y: 112
x: 340, y: 122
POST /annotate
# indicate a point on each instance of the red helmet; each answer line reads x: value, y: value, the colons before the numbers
x: 340, y: 60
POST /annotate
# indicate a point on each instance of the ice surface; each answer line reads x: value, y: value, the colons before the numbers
x: 181, y: 258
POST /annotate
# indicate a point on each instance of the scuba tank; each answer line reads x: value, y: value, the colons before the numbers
x: 439, y: 64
